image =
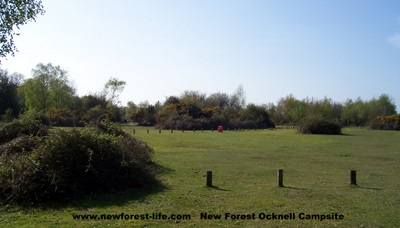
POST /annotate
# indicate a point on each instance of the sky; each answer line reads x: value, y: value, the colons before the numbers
x: 311, y: 49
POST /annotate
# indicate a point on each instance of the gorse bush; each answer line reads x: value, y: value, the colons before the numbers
x: 391, y: 122
x: 23, y: 126
x: 320, y: 126
x: 69, y: 164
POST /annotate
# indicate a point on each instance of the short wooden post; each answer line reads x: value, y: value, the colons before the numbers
x: 147, y: 131
x: 209, y: 178
x: 353, y: 177
x: 159, y: 131
x: 172, y: 130
x: 280, y: 177
x: 133, y: 131
x: 183, y: 130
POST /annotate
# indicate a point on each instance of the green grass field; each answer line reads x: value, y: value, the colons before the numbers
x: 244, y: 164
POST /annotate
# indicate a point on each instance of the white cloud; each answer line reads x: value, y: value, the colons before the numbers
x: 395, y: 40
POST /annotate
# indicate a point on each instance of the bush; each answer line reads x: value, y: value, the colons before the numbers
x: 320, y: 126
x: 391, y: 122
x: 71, y: 164
x: 19, y: 127
x: 20, y: 144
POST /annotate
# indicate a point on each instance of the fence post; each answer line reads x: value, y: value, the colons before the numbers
x: 209, y: 179
x: 133, y: 131
x: 280, y: 177
x: 159, y: 131
x: 172, y: 130
x: 147, y: 131
x: 353, y: 177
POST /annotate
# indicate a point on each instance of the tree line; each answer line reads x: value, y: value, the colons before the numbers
x: 50, y: 96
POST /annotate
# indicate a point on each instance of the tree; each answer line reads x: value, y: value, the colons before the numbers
x: 9, y: 100
x: 257, y: 116
x: 14, y: 13
x: 113, y: 88
x: 217, y: 100
x: 48, y: 88
x: 238, y: 99
x: 195, y: 98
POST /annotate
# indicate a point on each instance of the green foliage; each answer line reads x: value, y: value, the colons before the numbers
x: 14, y: 13
x: 63, y: 117
x: 10, y: 103
x: 22, y: 126
x: 19, y: 145
x: 112, y: 89
x: 48, y: 88
x: 389, y: 122
x: 256, y: 117
x: 74, y: 163
x: 320, y: 126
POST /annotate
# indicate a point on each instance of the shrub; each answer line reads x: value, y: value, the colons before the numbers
x: 71, y: 164
x: 320, y: 126
x: 20, y: 144
x: 25, y: 126
x: 391, y: 122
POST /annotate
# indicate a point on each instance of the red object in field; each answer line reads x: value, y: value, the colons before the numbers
x: 220, y: 129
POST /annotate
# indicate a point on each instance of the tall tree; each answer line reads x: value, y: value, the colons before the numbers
x: 13, y: 14
x: 113, y: 88
x: 49, y: 87
x: 9, y: 100
x: 238, y: 98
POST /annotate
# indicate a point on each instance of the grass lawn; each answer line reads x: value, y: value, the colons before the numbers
x: 244, y: 164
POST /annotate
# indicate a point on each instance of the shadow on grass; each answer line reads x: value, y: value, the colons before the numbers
x: 100, y: 200
x: 359, y: 186
x: 295, y: 188
x: 122, y: 198
x: 218, y: 188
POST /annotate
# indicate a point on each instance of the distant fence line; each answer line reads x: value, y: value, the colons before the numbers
x: 279, y: 177
x: 212, y: 130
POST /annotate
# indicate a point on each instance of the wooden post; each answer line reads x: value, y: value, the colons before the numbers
x: 353, y: 177
x: 209, y: 178
x: 172, y: 130
x: 147, y: 131
x: 183, y: 130
x: 133, y: 131
x: 159, y: 131
x: 280, y: 177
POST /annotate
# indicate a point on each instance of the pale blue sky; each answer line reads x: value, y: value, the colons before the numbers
x: 310, y: 48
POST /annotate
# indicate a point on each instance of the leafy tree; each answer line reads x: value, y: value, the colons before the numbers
x: 238, y: 99
x: 9, y: 100
x: 289, y: 110
x: 113, y: 88
x: 257, y: 115
x: 194, y: 98
x: 383, y: 106
x: 13, y: 14
x: 48, y: 88
x: 130, y: 109
x: 221, y: 100
x: 171, y: 100
x: 145, y: 114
